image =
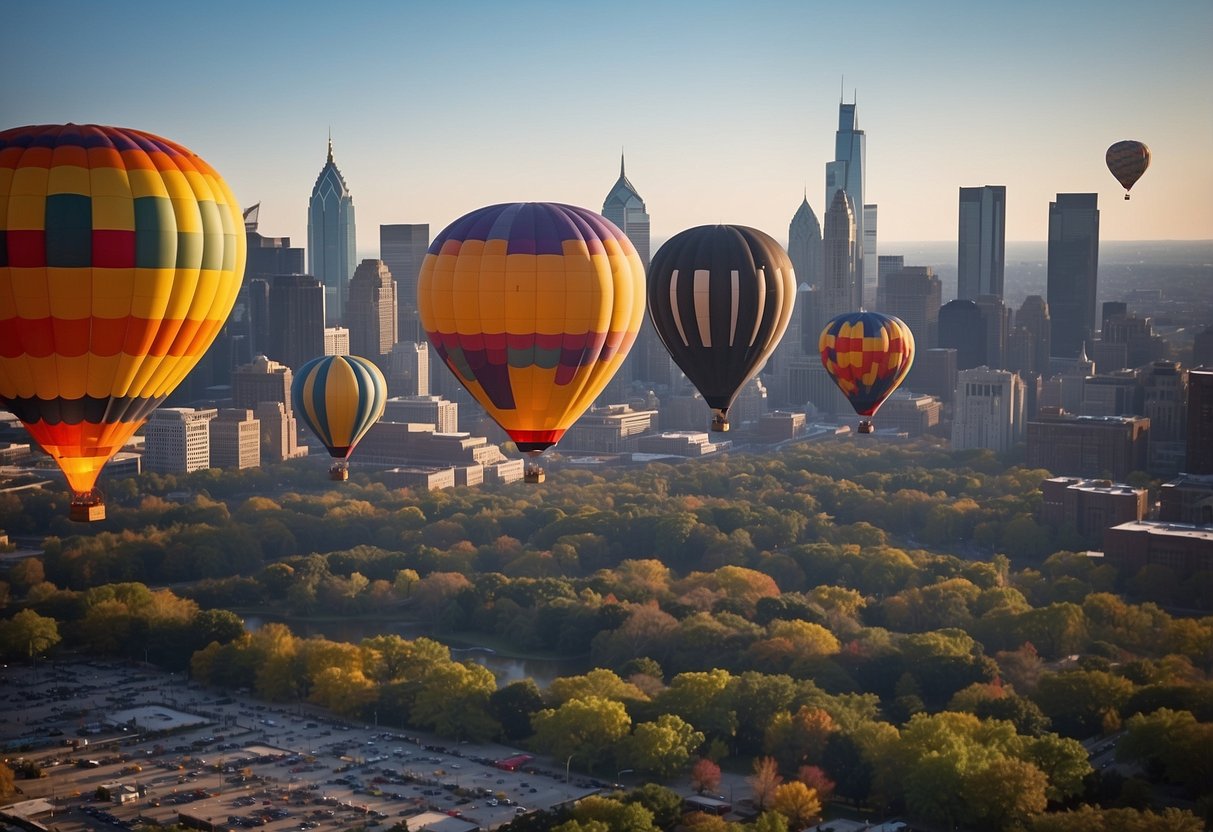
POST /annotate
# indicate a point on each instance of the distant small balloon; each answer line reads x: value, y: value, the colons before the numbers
x: 339, y: 398
x: 1127, y: 161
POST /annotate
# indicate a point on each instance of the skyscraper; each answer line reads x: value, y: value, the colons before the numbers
x: 177, y: 440
x: 625, y: 207
x: 330, y: 237
x: 840, y: 254
x: 981, y: 255
x: 648, y: 361
x: 371, y: 315
x: 296, y: 319
x: 804, y: 244
x: 846, y: 173
x: 403, y: 249
x: 1033, y: 317
x: 1072, y: 271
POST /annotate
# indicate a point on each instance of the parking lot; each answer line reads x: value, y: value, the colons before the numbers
x: 119, y: 743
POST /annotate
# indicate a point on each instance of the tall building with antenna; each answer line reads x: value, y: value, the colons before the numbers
x: 330, y: 238
x: 846, y: 173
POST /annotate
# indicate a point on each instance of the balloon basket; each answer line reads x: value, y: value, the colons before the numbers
x: 720, y: 423
x: 1126, y: 197
x: 866, y: 427
x: 534, y: 475
x: 87, y: 508
x: 339, y: 473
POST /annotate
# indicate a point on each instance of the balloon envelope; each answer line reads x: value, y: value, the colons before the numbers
x: 1127, y: 161
x: 339, y: 398
x: 121, y: 254
x: 720, y: 298
x: 868, y: 355
x: 533, y: 306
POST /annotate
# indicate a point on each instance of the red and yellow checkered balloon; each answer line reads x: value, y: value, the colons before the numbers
x: 121, y: 254
x: 868, y: 355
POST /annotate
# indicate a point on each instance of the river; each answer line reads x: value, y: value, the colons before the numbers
x: 507, y: 669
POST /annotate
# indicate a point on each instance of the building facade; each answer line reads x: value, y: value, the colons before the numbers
x: 263, y: 380
x: 296, y: 319
x: 330, y: 237
x: 1072, y: 272
x: 403, y: 247
x: 913, y: 294
x: 1200, y: 421
x: 371, y: 314
x: 336, y: 340
x: 409, y: 369
x: 989, y: 410
x: 981, y: 255
x: 428, y: 410
x: 1106, y: 447
x: 177, y: 440
x: 235, y: 439
x: 1091, y: 506
x: 840, y: 258
x: 962, y: 327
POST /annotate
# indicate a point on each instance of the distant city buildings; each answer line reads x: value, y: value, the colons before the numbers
x: 402, y: 248
x: 235, y: 439
x: 1200, y: 421
x: 912, y: 293
x: 1091, y: 506
x: 804, y: 244
x: 962, y: 328
x: 430, y: 410
x: 330, y: 238
x: 981, y: 256
x: 840, y: 258
x: 336, y: 340
x: 409, y: 369
x: 1072, y: 272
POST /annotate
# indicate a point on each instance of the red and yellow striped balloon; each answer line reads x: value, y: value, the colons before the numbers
x: 121, y: 254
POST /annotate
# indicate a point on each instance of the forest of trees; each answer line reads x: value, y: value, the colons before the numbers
x: 889, y: 626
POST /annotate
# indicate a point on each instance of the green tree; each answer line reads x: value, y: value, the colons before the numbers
x: 586, y: 729
x: 454, y: 700
x: 512, y: 707
x: 1078, y: 701
x: 1004, y: 792
x: 772, y: 821
x: 661, y: 747
x: 28, y: 634
x: 664, y: 803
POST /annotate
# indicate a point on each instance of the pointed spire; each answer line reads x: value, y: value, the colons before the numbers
x: 330, y: 145
x: 621, y: 163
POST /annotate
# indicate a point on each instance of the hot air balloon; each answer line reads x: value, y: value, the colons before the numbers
x: 533, y: 306
x: 867, y: 354
x: 339, y: 397
x: 121, y: 254
x: 1128, y: 160
x: 720, y: 298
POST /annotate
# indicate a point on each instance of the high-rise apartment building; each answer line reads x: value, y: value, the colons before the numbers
x: 1108, y: 447
x: 846, y: 173
x: 1200, y: 421
x: 1072, y: 271
x: 989, y: 410
x: 840, y: 256
x: 330, y: 237
x: 981, y: 256
x: 402, y: 248
x: 177, y: 440
x: 235, y: 439
x: 371, y: 313
x: 913, y: 294
x: 296, y: 319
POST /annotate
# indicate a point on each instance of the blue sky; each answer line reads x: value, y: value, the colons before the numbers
x: 727, y: 110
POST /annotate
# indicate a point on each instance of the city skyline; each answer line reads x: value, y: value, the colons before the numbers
x: 530, y: 101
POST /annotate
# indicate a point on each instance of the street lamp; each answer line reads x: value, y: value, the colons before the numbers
x: 620, y: 773
x: 566, y: 768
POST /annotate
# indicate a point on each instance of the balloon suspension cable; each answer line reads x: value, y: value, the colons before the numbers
x: 339, y: 472
x: 865, y: 426
x: 720, y: 420
x: 87, y: 506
